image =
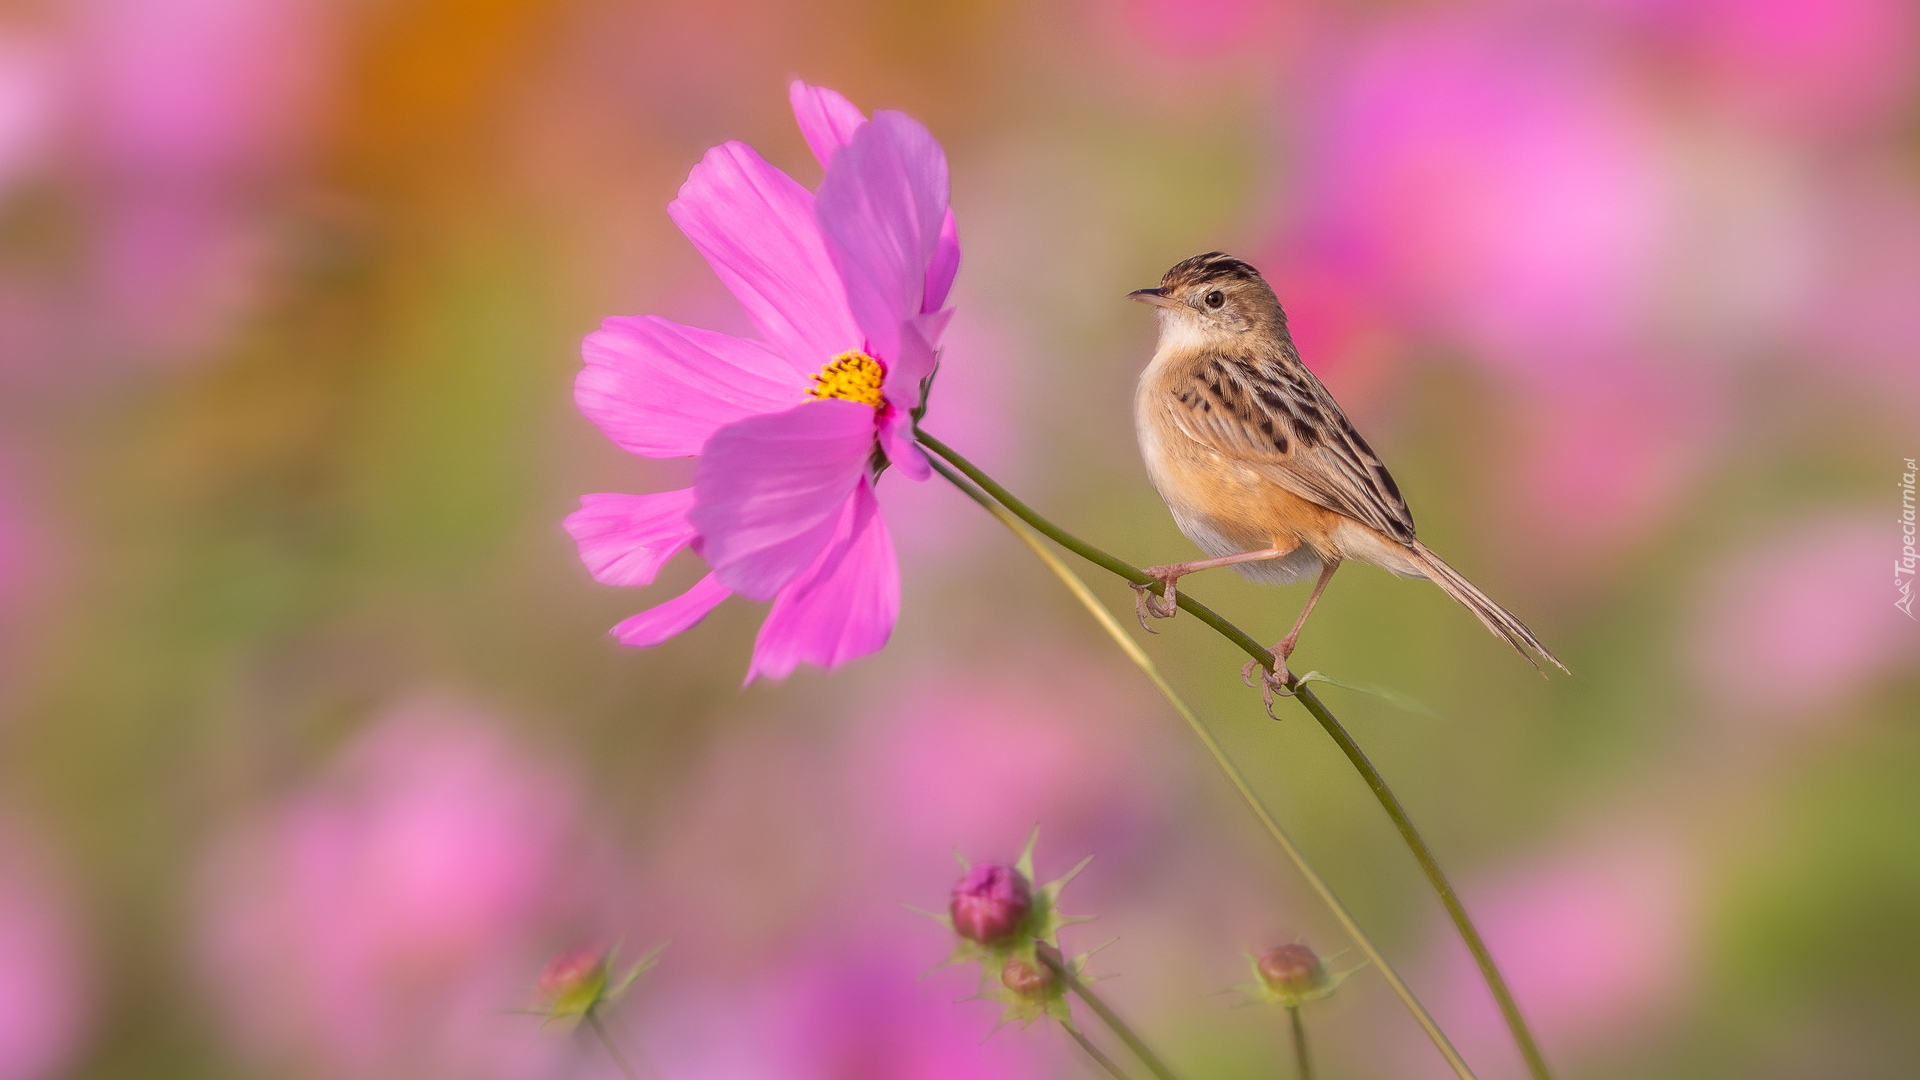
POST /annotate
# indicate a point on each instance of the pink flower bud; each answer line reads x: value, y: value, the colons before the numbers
x: 990, y: 903
x: 570, y: 971
x: 1293, y: 970
x: 573, y: 984
x: 1029, y: 982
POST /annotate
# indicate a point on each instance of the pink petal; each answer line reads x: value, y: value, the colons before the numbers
x: 945, y: 264
x: 757, y: 229
x: 844, y: 607
x: 769, y: 490
x: 827, y: 120
x: 896, y: 439
x: 881, y: 207
x: 661, y: 389
x: 626, y: 539
x: 913, y: 363
x: 906, y: 380
x: 657, y: 624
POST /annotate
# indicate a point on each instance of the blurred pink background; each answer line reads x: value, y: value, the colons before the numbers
x: 317, y: 751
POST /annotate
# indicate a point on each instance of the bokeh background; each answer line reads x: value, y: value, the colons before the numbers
x: 315, y: 749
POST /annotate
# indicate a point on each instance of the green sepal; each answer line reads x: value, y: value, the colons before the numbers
x: 1052, y: 1004
x: 1259, y: 993
x: 919, y: 411
x: 601, y: 988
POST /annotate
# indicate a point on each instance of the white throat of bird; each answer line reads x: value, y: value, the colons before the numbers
x: 1183, y: 332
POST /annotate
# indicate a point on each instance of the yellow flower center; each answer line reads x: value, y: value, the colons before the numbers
x: 852, y: 376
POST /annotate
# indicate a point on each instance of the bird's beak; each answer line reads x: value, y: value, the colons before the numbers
x: 1156, y: 297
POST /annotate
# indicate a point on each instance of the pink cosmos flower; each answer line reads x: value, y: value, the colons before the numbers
x: 201, y: 91
x: 1816, y: 67
x: 377, y: 920
x: 195, y: 113
x: 855, y: 1006
x: 1597, y: 938
x: 847, y: 288
x: 1789, y: 628
x: 1602, y: 463
x: 1500, y: 188
x: 974, y: 763
x: 1859, y: 312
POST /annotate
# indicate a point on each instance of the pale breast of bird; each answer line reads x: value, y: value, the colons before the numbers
x: 1222, y: 504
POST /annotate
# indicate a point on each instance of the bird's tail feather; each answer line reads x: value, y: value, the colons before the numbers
x: 1491, y: 615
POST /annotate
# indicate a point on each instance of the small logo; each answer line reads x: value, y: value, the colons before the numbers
x: 1903, y: 567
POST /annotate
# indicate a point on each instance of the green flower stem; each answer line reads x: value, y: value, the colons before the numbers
x: 1140, y: 659
x: 1094, y: 555
x: 1437, y: 878
x: 1457, y: 911
x: 1099, y: 1056
x: 613, y: 1049
x: 1303, y: 1062
x: 1064, y: 972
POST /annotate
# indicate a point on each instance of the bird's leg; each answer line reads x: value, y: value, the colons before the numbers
x: 1164, y: 604
x: 1277, y: 680
x: 1285, y: 648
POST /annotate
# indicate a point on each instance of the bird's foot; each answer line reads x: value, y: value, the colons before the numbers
x: 1275, y: 683
x: 1160, y: 605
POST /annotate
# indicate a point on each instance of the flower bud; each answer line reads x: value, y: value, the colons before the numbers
x: 573, y: 983
x: 570, y: 971
x: 1291, y: 970
x: 1028, y: 981
x: 990, y: 903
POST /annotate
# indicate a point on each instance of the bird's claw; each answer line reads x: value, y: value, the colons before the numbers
x: 1275, y: 683
x: 1161, y: 605
x: 1140, y: 599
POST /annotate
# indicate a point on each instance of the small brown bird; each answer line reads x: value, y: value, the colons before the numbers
x: 1257, y: 462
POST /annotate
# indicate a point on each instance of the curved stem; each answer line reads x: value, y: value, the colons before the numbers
x: 1436, y: 877
x: 1429, y: 865
x: 1098, y: 1055
x: 1094, y: 555
x: 1068, y: 978
x: 613, y: 1049
x: 1303, y: 1062
x: 1140, y: 659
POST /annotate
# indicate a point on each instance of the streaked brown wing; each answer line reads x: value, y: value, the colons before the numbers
x: 1272, y: 413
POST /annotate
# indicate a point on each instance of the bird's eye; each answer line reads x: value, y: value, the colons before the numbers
x: 1215, y: 300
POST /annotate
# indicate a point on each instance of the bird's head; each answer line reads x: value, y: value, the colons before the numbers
x: 1212, y: 297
